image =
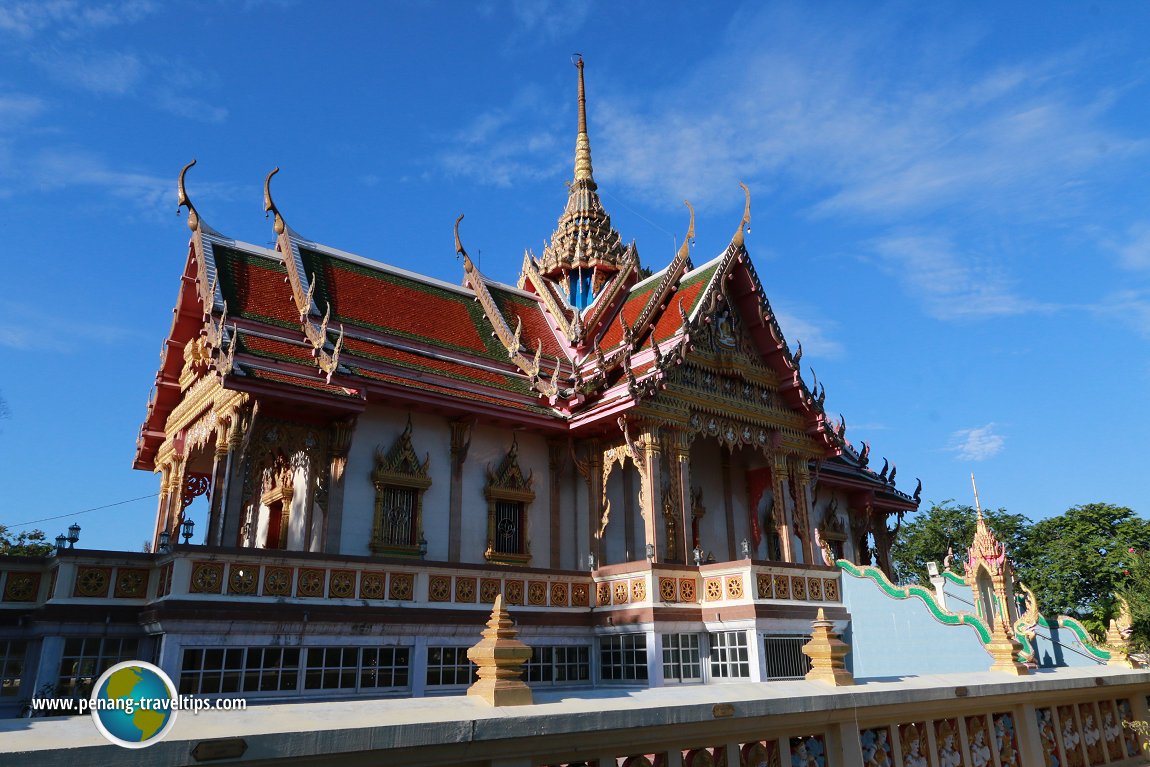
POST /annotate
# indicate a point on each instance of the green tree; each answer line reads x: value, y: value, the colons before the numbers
x: 1078, y: 560
x: 26, y: 543
x: 1137, y: 594
x: 947, y: 525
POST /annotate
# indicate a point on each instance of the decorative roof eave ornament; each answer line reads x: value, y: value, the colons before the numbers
x: 207, y: 289
x: 475, y: 280
x: 303, y: 290
x: 530, y: 274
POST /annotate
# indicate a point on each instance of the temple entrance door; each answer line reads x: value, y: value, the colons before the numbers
x: 623, y: 537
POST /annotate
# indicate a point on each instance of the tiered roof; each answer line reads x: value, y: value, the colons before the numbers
x: 306, y: 321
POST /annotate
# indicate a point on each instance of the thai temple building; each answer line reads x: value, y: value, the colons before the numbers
x: 616, y: 464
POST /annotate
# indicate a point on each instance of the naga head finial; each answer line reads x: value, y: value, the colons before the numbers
x: 182, y: 200
x: 685, y: 249
x: 269, y: 206
x: 459, y: 249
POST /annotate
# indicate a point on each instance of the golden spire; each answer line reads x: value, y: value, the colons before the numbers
x: 182, y: 200
x: 582, y: 142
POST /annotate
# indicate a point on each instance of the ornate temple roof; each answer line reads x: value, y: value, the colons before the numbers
x: 309, y: 323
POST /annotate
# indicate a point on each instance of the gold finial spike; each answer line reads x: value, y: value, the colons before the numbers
x: 745, y: 225
x: 269, y: 206
x: 977, y: 505
x: 684, y: 251
x: 182, y: 200
x: 582, y: 142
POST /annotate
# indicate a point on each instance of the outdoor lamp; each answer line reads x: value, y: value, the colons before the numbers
x: 188, y: 526
x: 746, y: 549
x: 590, y: 561
x: 422, y: 546
x: 73, y: 535
x: 698, y: 554
x: 61, y: 542
x: 165, y: 541
x: 651, y: 552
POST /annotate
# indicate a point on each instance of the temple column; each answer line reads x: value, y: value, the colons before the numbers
x: 679, y: 442
x: 234, y: 497
x: 175, y: 495
x: 650, y: 485
x: 162, y: 506
x: 341, y: 432
x: 555, y: 465
x: 800, y: 482
x: 460, y: 444
x: 779, y: 492
x: 628, y: 513
x: 219, y: 482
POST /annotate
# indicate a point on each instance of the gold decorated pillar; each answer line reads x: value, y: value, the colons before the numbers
x: 499, y: 657
x: 800, y: 484
x: 341, y: 432
x: 650, y: 486
x: 219, y: 481
x: 162, y: 506
x: 555, y: 466
x: 233, y: 494
x: 782, y: 517
x: 679, y: 497
x: 175, y: 494
x: 595, y: 497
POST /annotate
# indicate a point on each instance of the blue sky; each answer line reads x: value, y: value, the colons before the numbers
x: 950, y: 203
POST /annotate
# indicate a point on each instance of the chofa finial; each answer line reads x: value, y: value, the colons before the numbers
x: 269, y: 206
x: 459, y: 249
x: 685, y: 249
x: 182, y: 200
x: 745, y: 225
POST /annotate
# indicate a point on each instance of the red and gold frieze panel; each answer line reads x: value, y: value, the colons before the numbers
x: 621, y: 592
x: 513, y: 592
x: 782, y: 585
x: 686, y: 589
x: 341, y: 584
x: 638, y: 590
x: 131, y: 583
x: 580, y: 593
x: 465, y: 589
x: 206, y: 578
x: 815, y: 589
x: 243, y: 579
x: 92, y: 582
x: 712, y: 589
x: 537, y: 593
x: 489, y: 588
x: 439, y: 588
x: 402, y: 587
x: 21, y: 587
x: 830, y: 589
x: 559, y: 591
x: 372, y: 585
x: 309, y: 582
x: 1070, y: 737
x: 799, y: 588
x: 668, y: 590
x: 734, y: 586
x: 1091, y: 733
x: 277, y: 581
x: 602, y: 594
x: 764, y: 586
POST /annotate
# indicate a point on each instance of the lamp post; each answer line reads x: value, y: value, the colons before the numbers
x: 650, y: 552
x: 73, y: 535
x: 61, y: 542
x: 697, y: 553
x: 188, y: 526
x: 422, y: 546
x: 165, y: 542
x: 746, y: 549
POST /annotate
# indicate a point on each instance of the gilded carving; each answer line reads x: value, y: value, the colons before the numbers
x: 513, y: 592
x: 488, y: 590
x: 667, y: 589
x: 92, y: 581
x: 277, y: 581
x: 559, y: 594
x: 579, y: 595
x: 464, y: 589
x: 400, y: 480
x: 341, y: 584
x: 242, y: 579
x: 686, y: 589
x: 638, y: 590
x: 309, y: 582
x: 401, y: 587
x: 207, y: 577
x: 509, y: 495
x: 439, y: 588
x: 371, y: 585
x: 537, y: 593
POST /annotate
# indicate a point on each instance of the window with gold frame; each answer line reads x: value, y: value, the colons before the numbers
x: 400, y: 481
x: 509, y: 496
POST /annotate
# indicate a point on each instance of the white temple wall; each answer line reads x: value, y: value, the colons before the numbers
x: 379, y: 427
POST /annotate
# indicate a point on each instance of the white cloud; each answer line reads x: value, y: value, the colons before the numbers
x: 977, y: 444
x: 69, y: 18
x: 109, y: 73
x: 1134, y: 250
x: 29, y: 328
x: 950, y: 284
x: 814, y: 332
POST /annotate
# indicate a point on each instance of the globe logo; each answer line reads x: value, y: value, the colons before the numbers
x: 134, y: 704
